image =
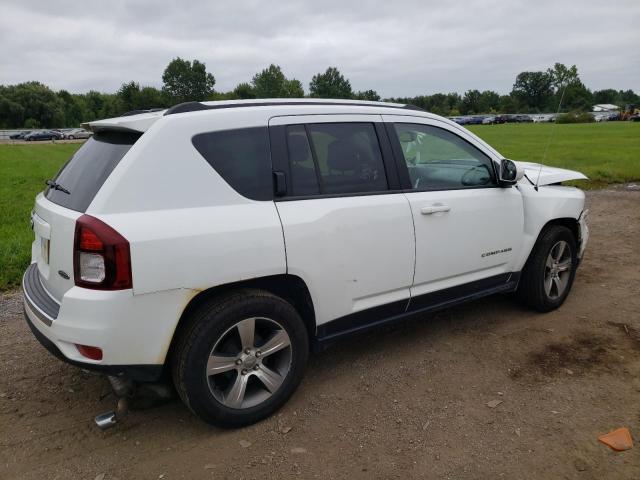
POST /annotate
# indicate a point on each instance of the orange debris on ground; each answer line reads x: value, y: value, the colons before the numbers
x: 619, y: 440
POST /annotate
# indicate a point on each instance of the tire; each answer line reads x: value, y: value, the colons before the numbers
x: 71, y: 137
x: 555, y: 252
x: 269, y: 378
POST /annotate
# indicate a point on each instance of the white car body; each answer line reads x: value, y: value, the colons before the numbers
x: 189, y: 231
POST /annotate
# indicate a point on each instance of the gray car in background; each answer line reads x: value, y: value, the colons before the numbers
x: 77, y: 133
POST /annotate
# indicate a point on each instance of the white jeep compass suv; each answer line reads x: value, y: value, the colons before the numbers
x: 216, y: 243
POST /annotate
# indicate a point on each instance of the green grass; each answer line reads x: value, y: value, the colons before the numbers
x: 607, y: 153
x: 23, y: 170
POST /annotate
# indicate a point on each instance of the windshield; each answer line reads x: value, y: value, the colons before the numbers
x: 83, y: 175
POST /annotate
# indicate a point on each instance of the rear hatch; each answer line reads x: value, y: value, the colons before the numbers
x: 67, y: 198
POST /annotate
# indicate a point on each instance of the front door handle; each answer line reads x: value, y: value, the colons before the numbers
x: 436, y: 208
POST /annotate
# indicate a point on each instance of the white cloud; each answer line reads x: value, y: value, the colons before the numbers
x: 397, y: 48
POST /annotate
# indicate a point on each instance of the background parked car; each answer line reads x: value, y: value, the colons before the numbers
x: 77, y: 133
x: 542, y: 118
x: 19, y: 136
x: 475, y: 120
x: 43, y: 135
x: 522, y: 119
x: 489, y: 120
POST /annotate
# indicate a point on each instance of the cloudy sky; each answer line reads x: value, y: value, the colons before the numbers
x: 398, y: 48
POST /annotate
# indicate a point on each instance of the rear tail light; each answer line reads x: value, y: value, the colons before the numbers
x: 101, y: 256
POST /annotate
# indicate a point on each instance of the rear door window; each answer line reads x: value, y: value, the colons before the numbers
x: 335, y: 158
x: 85, y: 173
x: 241, y: 157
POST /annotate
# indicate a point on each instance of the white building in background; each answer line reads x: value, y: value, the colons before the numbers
x: 605, y: 107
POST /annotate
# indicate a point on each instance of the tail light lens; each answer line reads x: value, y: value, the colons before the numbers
x: 101, y: 256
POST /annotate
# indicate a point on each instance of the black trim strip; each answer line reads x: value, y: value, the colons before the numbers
x: 386, y: 314
x: 137, y: 373
x: 40, y: 302
x: 197, y: 106
x: 338, y: 195
x: 314, y: 157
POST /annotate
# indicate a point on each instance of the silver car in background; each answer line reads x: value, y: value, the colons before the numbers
x: 77, y: 133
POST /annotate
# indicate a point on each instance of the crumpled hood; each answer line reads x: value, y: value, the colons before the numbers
x: 549, y: 175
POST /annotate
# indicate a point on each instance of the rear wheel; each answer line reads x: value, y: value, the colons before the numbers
x: 240, y: 358
x: 548, y: 275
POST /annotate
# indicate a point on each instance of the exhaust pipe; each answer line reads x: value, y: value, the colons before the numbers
x: 124, y: 389
x: 106, y: 420
x: 109, y: 419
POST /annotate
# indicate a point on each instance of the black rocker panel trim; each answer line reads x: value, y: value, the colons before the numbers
x: 386, y: 314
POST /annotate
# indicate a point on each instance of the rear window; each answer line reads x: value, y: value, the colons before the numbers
x: 241, y: 157
x: 85, y: 173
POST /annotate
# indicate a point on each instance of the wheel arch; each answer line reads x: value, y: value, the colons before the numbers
x: 569, y: 222
x: 288, y: 287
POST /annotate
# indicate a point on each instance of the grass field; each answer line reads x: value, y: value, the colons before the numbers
x: 607, y: 153
x: 23, y: 170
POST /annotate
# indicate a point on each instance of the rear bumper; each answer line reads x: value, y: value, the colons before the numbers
x: 134, y: 332
x: 137, y: 373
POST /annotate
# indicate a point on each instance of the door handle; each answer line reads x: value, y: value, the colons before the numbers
x: 436, y: 208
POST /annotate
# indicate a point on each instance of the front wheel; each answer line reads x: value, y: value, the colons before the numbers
x: 240, y: 358
x: 548, y: 274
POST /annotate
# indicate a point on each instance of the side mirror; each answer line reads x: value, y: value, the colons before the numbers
x: 510, y: 172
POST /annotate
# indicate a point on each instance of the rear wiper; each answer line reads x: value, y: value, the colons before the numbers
x: 57, y: 186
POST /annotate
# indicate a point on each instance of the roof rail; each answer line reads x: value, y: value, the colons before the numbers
x: 196, y: 106
x: 137, y: 112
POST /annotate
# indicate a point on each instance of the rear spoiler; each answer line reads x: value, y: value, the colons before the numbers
x: 130, y: 122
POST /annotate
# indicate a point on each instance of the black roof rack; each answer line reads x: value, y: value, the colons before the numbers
x: 196, y: 106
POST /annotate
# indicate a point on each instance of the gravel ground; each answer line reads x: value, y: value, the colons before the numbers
x: 484, y: 390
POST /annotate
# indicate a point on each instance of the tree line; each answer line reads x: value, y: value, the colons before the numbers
x: 35, y: 105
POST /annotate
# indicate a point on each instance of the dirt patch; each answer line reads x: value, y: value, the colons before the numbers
x: 576, y: 356
x: 633, y: 333
x: 412, y: 402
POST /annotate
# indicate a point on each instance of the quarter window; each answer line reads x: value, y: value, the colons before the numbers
x: 440, y: 160
x: 335, y: 158
x: 241, y: 157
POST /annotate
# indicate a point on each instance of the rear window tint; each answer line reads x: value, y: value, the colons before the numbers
x: 241, y: 157
x: 348, y: 157
x: 85, y: 173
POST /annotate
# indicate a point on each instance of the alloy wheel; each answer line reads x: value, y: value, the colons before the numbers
x: 557, y: 270
x: 249, y: 362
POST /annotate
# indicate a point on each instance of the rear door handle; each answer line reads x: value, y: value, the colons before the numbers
x: 436, y: 208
